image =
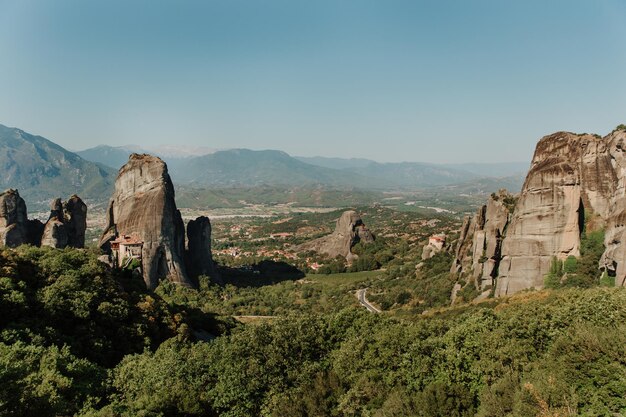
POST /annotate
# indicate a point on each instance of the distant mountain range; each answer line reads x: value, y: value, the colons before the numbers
x: 492, y: 170
x: 43, y: 170
x: 247, y: 168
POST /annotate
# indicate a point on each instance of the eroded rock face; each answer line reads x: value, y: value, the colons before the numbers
x: 349, y: 231
x: 435, y: 244
x: 200, y: 259
x: 65, y: 227
x: 576, y: 183
x: 75, y: 211
x: 67, y: 224
x: 143, y: 205
x: 614, y: 257
x: 55, y: 232
x: 479, y: 249
x: 14, y: 230
x: 571, y: 177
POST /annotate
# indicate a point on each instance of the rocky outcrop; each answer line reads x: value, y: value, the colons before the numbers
x: 576, y: 184
x: 14, y: 225
x: 66, y: 225
x: 199, y: 257
x: 428, y: 252
x: 75, y: 211
x: 435, y: 244
x: 479, y: 248
x: 55, y: 232
x: 143, y: 206
x: 571, y: 178
x: 614, y: 258
x: 349, y: 231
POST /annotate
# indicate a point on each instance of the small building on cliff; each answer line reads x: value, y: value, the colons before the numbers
x: 437, y: 241
x: 124, y: 249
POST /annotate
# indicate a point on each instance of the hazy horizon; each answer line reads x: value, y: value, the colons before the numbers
x: 130, y: 146
x: 444, y: 82
x: 185, y: 151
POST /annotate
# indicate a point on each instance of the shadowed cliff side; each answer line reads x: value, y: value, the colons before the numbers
x: 479, y: 249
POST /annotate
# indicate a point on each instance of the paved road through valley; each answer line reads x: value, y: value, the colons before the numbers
x: 360, y: 294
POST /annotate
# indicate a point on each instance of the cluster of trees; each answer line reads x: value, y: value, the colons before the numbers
x: 583, y: 271
x: 416, y: 289
x: 315, y: 294
x: 560, y: 354
x: 65, y: 320
x: 78, y: 339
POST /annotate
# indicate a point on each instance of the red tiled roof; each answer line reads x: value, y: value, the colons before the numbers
x: 128, y: 240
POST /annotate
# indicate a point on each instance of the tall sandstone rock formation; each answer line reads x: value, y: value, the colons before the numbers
x: 76, y: 221
x: 349, y: 231
x: 55, y: 232
x: 143, y: 206
x: 614, y: 258
x: 65, y: 227
x: 571, y: 179
x: 575, y: 183
x: 67, y: 224
x: 479, y: 249
x: 15, y: 228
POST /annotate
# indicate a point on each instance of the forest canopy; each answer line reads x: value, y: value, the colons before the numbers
x: 78, y: 339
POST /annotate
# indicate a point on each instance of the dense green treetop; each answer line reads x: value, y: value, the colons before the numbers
x: 79, y: 339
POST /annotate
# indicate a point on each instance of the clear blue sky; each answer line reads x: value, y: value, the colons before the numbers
x: 438, y: 80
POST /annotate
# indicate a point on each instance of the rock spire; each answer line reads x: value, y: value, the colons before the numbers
x: 349, y: 231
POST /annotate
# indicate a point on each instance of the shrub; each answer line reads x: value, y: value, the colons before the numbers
x: 468, y: 292
x: 570, y: 265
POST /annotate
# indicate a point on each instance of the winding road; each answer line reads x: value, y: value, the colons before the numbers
x: 360, y: 294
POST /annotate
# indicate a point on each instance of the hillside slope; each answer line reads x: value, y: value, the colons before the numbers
x: 111, y: 156
x: 249, y: 168
x: 43, y: 170
x: 244, y: 167
x: 116, y: 156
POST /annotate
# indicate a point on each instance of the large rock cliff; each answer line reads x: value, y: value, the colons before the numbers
x: 349, y: 231
x: 479, y: 248
x: 614, y: 258
x: 571, y: 178
x: 143, y: 206
x: 576, y: 183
